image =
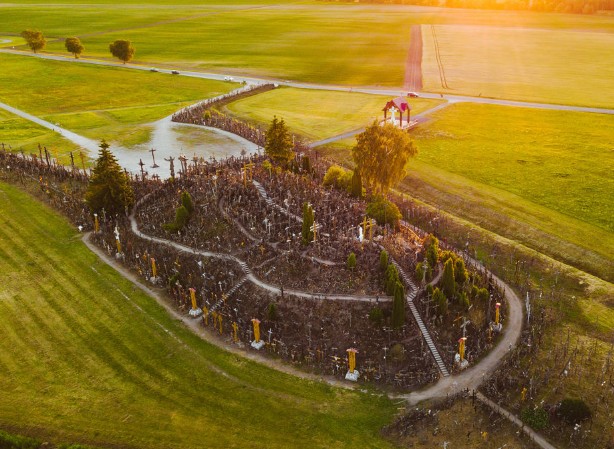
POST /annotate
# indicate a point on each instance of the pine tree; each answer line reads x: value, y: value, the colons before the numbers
x: 109, y: 187
x: 351, y: 261
x: 440, y: 301
x: 398, y: 306
x: 460, y: 272
x: 186, y: 201
x: 448, y: 282
x: 278, y: 144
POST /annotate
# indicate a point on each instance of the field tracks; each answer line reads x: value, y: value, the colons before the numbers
x: 442, y: 73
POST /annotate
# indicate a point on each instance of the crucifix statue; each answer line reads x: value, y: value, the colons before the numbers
x: 171, y: 160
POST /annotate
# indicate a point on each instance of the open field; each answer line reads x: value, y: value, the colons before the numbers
x: 317, y: 114
x: 348, y: 44
x: 97, y: 102
x: 86, y: 357
x: 21, y: 134
x: 523, y: 64
x: 559, y: 160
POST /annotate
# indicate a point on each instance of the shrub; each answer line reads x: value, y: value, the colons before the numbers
x: 383, y: 211
x: 376, y: 316
x: 431, y: 245
x: 574, y: 411
x: 483, y: 295
x: 398, y: 306
x: 440, y: 301
x: 272, y: 311
x: 536, y: 418
x: 181, y: 218
x: 460, y: 272
x: 429, y: 290
x: 397, y: 353
x: 383, y: 260
x: 391, y: 279
x: 186, y: 201
x: 420, y: 272
x: 463, y: 300
x: 448, y: 283
x: 335, y: 176
x: 351, y: 261
x: 356, y: 189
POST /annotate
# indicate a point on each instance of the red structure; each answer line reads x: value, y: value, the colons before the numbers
x: 401, y: 105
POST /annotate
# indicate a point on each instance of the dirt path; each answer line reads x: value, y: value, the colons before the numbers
x: 413, y: 66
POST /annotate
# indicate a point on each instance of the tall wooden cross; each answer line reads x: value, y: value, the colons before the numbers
x: 141, y: 163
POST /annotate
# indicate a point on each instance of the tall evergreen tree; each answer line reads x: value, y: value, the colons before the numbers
x: 278, y: 144
x: 448, y: 283
x: 398, y: 306
x: 109, y: 187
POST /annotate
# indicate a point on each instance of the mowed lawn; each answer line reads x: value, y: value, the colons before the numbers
x: 86, y: 357
x: 97, y: 102
x: 550, y: 66
x: 317, y: 114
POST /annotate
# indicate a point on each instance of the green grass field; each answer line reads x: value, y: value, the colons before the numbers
x: 346, y: 44
x: 317, y: 114
x: 88, y: 358
x: 523, y: 64
x: 97, y: 102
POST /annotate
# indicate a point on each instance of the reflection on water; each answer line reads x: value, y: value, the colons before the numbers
x: 173, y: 139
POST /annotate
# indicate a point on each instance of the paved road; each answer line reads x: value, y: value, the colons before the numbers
x: 81, y: 141
x: 367, y: 90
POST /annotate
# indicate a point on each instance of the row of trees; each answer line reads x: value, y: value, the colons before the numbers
x: 121, y: 49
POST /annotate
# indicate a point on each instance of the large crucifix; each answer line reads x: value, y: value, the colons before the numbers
x: 171, y: 161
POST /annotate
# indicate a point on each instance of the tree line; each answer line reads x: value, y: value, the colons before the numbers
x: 121, y: 49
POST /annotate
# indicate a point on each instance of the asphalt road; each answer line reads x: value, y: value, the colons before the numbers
x: 367, y: 90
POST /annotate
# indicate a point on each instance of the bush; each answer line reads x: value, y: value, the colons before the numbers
x: 440, y: 301
x: 420, y: 272
x: 429, y: 290
x: 356, y: 189
x: 376, y: 316
x: 398, y: 306
x: 186, y: 201
x: 383, y: 260
x: 397, y: 353
x: 432, y: 250
x: 383, y: 211
x: 448, y: 283
x: 391, y: 279
x: 272, y: 311
x: 181, y: 218
x: 574, y: 411
x: 463, y: 300
x: 460, y: 272
x: 351, y: 261
x: 483, y: 295
x: 337, y: 177
x: 536, y: 418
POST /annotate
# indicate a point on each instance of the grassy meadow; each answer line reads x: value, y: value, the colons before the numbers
x: 88, y: 358
x: 345, y: 44
x: 523, y: 64
x: 97, y: 102
x: 317, y: 114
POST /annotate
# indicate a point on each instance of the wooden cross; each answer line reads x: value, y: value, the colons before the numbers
x: 152, y: 151
x: 82, y: 156
x: 141, y: 163
x: 314, y: 228
x: 184, y: 164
